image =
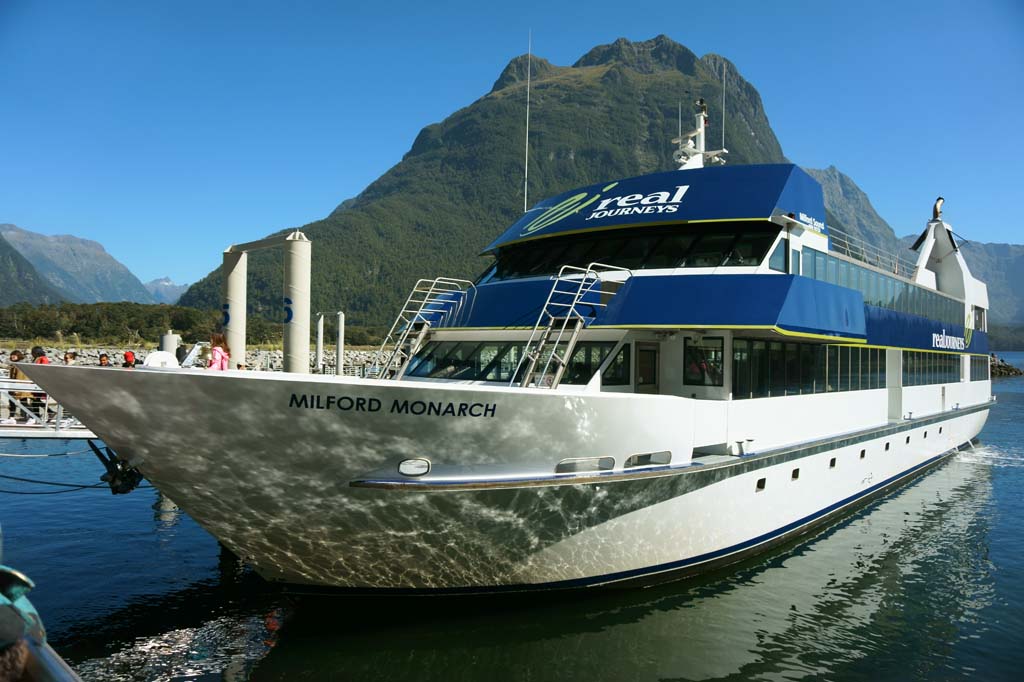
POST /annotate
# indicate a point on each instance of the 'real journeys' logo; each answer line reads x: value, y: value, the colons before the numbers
x: 626, y: 204
x: 947, y: 342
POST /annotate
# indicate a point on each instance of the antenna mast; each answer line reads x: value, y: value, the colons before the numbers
x: 723, y: 103
x: 526, y: 161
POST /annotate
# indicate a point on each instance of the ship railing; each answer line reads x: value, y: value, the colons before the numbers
x: 856, y: 248
x: 434, y: 302
x: 561, y: 321
x: 195, y: 354
x: 23, y: 403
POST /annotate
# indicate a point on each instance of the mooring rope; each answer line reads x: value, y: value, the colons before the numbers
x: 49, y: 492
x: 43, y: 455
x: 70, y: 487
x: 62, y: 485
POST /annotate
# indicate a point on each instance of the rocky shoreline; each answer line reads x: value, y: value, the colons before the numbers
x: 1001, y: 368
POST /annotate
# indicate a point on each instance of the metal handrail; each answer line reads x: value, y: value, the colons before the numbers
x: 856, y: 248
x: 444, y: 296
x: 14, y: 406
x: 581, y: 282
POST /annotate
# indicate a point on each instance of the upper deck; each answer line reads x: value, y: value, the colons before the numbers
x: 683, y: 197
x: 739, y: 250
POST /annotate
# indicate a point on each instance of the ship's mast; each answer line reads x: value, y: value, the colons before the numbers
x: 692, y: 152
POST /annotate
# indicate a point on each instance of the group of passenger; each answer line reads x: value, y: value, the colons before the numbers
x: 23, y: 404
x: 26, y: 403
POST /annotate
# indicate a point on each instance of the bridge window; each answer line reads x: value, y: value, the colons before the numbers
x: 710, y: 251
x: 498, y: 361
x: 734, y: 244
x: 777, y: 261
x: 749, y: 249
x: 702, y: 360
x: 617, y: 372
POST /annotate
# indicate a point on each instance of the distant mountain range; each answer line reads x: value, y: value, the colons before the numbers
x: 163, y: 290
x: 51, y: 268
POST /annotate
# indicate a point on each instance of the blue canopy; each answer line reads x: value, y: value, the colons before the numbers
x: 686, y: 196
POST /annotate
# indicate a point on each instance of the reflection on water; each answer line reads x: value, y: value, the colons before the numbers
x: 923, y: 584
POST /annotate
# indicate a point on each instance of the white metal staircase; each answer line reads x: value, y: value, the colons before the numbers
x: 560, y: 321
x: 432, y: 303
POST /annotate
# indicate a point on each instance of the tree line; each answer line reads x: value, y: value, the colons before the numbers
x: 138, y: 323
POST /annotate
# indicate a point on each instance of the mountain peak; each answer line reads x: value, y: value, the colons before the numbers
x: 515, y: 72
x: 649, y: 56
x: 164, y: 290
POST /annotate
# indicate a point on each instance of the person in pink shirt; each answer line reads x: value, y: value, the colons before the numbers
x: 220, y: 354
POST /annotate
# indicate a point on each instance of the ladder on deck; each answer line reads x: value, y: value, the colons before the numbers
x: 432, y: 302
x: 559, y: 319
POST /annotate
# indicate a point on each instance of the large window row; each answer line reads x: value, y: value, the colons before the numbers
x: 763, y: 369
x: 497, y: 361
x: 734, y: 244
x: 881, y: 290
x: 980, y: 367
x: 921, y: 368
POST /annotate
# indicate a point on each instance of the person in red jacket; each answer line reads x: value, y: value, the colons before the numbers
x: 39, y: 400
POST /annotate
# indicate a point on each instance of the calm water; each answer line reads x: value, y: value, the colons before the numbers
x: 927, y: 583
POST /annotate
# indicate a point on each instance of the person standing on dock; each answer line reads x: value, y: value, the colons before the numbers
x: 220, y: 354
x: 19, y: 398
x: 39, y: 399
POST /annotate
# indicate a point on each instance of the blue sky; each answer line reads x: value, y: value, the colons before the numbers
x: 168, y: 130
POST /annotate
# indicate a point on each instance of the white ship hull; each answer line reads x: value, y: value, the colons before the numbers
x: 293, y: 477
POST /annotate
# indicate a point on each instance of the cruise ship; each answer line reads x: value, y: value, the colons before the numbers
x: 655, y: 376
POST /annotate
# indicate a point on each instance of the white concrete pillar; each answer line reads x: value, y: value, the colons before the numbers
x: 339, y: 362
x: 319, y: 343
x: 298, y: 253
x: 233, y: 306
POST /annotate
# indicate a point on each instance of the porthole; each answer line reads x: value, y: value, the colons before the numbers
x: 832, y: 463
x: 887, y: 447
x: 925, y: 434
x: 908, y: 440
x: 414, y: 467
x: 761, y: 482
x: 940, y: 429
x: 863, y: 453
x: 796, y: 474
